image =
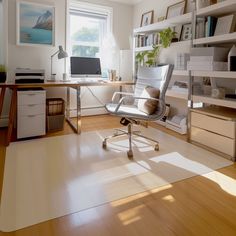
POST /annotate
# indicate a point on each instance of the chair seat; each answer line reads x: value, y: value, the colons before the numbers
x: 128, y: 111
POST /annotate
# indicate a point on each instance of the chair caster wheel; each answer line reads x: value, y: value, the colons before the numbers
x: 156, y: 147
x: 130, y: 154
x: 104, y: 144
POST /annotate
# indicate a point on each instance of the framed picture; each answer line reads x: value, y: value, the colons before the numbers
x: 147, y: 18
x: 186, y: 32
x: 176, y: 9
x: 35, y: 24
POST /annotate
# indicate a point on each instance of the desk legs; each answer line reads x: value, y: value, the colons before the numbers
x: 76, y: 127
x: 12, y: 115
x: 3, y: 91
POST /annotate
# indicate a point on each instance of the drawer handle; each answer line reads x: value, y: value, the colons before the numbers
x: 31, y: 116
x: 31, y: 94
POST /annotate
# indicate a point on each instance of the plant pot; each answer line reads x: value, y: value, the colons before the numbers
x: 3, y: 77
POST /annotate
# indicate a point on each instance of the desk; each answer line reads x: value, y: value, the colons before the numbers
x: 71, y: 84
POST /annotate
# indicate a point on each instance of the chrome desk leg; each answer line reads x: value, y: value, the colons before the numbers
x: 67, y: 103
x: 78, y: 92
x: 76, y: 127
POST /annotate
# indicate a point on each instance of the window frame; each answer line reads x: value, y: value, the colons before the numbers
x: 84, y: 6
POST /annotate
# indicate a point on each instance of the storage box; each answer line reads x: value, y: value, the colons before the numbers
x: 218, y: 53
x: 55, y: 114
x: 55, y: 123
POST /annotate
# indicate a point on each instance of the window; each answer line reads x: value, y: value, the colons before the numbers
x: 89, y: 25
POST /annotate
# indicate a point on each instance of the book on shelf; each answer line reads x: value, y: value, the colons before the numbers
x: 200, y: 28
x: 210, y: 26
x: 146, y: 40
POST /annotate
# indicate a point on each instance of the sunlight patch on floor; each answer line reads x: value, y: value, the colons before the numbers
x: 226, y: 183
x: 169, y: 198
x: 130, y: 216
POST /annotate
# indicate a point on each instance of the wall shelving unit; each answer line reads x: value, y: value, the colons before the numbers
x: 158, y: 26
x: 203, y: 128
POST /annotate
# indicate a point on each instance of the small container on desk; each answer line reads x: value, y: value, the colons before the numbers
x: 55, y: 114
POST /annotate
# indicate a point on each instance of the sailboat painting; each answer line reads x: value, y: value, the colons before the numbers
x: 35, y: 24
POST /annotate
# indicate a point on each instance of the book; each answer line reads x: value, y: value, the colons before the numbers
x: 211, y: 21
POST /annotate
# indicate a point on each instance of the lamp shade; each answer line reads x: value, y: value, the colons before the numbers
x: 62, y: 54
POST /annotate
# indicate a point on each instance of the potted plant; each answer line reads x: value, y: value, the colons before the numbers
x: 150, y: 58
x: 3, y: 74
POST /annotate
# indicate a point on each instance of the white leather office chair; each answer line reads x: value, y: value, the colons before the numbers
x: 158, y: 78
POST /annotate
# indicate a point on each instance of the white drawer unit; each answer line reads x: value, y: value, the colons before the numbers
x: 215, y: 128
x: 31, y: 113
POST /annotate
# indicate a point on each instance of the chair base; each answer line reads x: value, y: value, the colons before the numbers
x: 129, y: 133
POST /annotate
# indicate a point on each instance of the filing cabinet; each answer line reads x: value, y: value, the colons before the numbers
x: 31, y: 113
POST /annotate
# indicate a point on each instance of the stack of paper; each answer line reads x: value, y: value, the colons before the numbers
x: 208, y: 59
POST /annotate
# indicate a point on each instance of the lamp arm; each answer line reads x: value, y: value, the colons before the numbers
x: 52, y: 58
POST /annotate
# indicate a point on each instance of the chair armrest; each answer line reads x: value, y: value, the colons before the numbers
x: 120, y: 93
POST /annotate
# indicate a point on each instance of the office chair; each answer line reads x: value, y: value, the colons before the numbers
x: 148, y: 82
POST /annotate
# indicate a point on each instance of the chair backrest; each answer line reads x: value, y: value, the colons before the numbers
x: 158, y: 77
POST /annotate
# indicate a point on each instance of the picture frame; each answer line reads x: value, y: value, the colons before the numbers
x: 186, y: 32
x: 176, y: 9
x: 35, y: 24
x: 147, y: 18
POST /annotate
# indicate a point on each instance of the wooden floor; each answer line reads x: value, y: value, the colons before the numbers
x: 195, y: 206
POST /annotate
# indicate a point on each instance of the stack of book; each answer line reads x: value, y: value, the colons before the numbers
x: 146, y: 40
x: 208, y: 59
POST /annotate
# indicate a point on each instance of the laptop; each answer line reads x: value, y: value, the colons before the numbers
x: 85, y: 67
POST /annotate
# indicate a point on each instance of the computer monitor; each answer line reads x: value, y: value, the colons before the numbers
x: 85, y: 67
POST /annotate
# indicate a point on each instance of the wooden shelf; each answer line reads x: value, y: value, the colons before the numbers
x: 175, y: 94
x: 219, y: 39
x: 219, y: 102
x: 158, y: 26
x: 181, y: 72
x: 221, y: 8
x: 215, y: 74
x: 148, y: 48
x: 143, y: 49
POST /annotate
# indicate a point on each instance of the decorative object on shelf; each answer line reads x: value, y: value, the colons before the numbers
x: 35, y: 24
x: 218, y: 93
x: 161, y: 18
x: 177, y: 30
x: 181, y: 61
x: 60, y: 54
x: 176, y: 9
x: 150, y: 57
x: 225, y: 25
x: 186, y: 32
x: 3, y: 74
x: 204, y: 3
x: 232, y: 59
x: 177, y: 123
x: 147, y: 18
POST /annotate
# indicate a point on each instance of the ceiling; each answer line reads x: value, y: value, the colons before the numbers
x: 130, y: 2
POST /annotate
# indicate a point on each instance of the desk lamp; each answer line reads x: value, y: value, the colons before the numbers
x: 61, y: 54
